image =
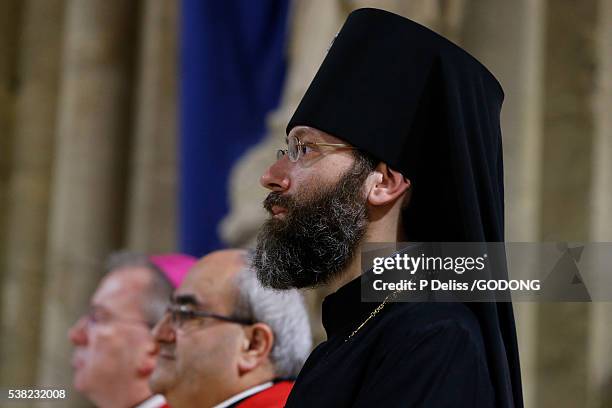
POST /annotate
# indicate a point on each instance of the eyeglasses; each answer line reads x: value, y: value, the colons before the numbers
x: 99, y: 316
x: 181, y: 314
x: 296, y: 148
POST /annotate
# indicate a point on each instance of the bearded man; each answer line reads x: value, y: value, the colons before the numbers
x: 396, y: 139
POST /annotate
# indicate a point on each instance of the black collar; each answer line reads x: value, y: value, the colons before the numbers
x: 343, y: 310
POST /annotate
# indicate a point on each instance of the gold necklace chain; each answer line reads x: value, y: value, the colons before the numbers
x: 374, y: 312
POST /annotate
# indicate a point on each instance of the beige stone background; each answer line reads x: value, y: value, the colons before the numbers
x: 88, y: 102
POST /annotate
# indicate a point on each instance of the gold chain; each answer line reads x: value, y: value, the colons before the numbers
x: 380, y: 307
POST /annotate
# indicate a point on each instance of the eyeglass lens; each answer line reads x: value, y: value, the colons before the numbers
x: 293, y: 148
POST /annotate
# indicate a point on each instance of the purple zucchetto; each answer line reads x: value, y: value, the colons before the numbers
x: 174, y: 266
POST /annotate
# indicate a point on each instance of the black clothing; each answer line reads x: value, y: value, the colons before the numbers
x: 428, y: 109
x: 408, y: 355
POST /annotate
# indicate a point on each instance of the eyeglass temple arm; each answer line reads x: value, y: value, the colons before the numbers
x: 246, y: 322
x: 330, y: 144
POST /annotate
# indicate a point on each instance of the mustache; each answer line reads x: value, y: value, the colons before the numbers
x: 276, y: 198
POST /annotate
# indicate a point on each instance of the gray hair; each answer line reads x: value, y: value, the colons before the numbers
x: 284, y: 311
x: 160, y: 289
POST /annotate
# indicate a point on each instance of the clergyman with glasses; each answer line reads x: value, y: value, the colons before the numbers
x: 226, y: 341
x: 114, y: 351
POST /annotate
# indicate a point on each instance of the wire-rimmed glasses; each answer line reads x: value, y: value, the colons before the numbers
x: 296, y: 148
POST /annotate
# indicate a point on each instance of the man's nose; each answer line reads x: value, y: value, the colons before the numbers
x: 163, y: 330
x: 78, y: 333
x: 276, y: 176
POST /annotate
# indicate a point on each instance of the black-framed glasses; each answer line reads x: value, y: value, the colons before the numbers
x: 296, y: 148
x: 181, y: 314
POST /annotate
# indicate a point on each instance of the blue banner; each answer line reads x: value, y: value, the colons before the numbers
x: 232, y: 69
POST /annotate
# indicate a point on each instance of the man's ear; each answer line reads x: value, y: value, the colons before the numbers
x: 147, y: 362
x: 388, y: 185
x: 256, y: 347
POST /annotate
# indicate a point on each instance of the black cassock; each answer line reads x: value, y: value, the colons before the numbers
x: 407, y: 355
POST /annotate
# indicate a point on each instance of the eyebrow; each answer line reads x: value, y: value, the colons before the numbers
x: 312, y: 137
x: 102, y: 308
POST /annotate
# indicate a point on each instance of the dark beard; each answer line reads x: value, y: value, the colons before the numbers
x: 318, y: 237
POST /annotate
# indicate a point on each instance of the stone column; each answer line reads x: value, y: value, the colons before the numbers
x: 508, y: 38
x: 153, y: 187
x: 32, y: 155
x: 600, y: 346
x: 87, y: 205
x: 10, y: 19
x: 570, y: 57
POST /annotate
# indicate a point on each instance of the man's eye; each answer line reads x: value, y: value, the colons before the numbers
x: 97, y: 316
x: 307, y: 148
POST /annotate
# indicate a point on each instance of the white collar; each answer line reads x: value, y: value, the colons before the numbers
x: 156, y: 401
x: 244, y: 394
